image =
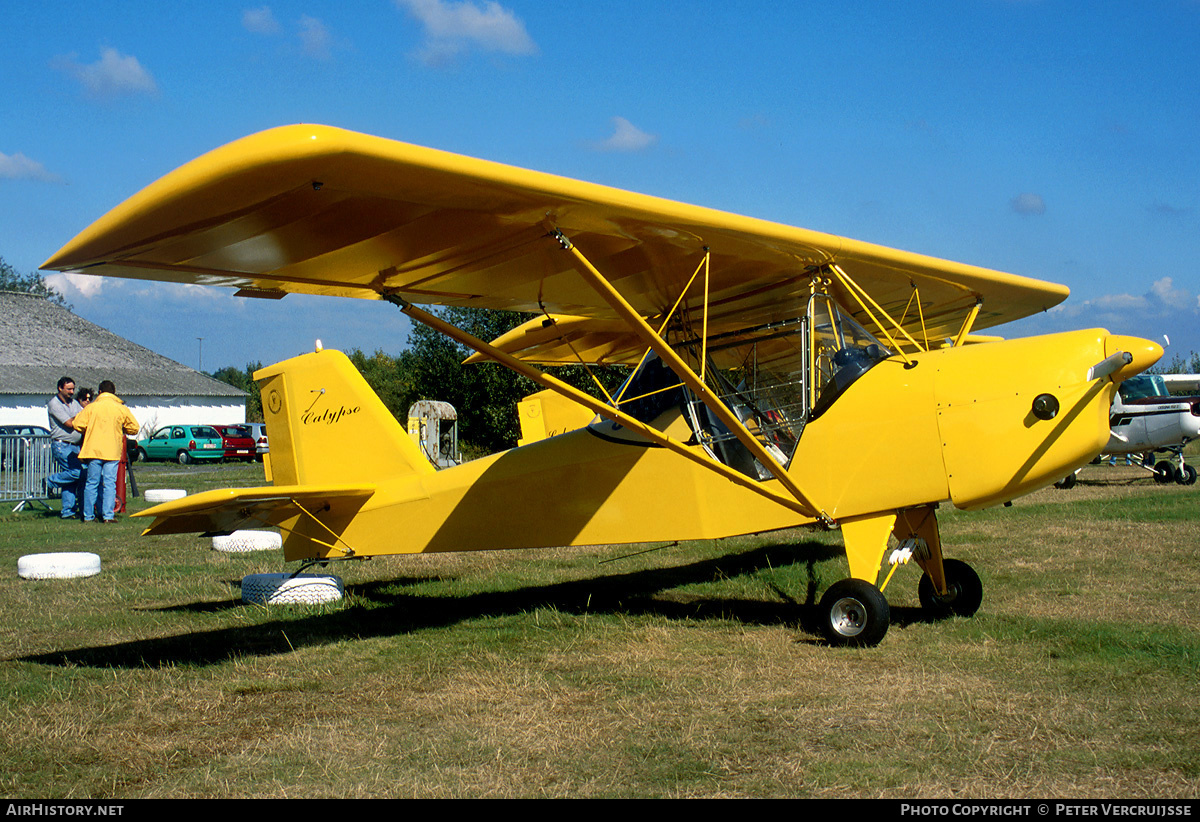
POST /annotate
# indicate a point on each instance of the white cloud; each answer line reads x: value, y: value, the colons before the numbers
x: 453, y: 27
x: 1162, y: 309
x: 626, y: 137
x: 69, y: 285
x: 316, y: 41
x: 113, y: 75
x: 1161, y: 304
x: 314, y: 38
x: 260, y: 21
x: 1028, y: 203
x: 1167, y: 295
x: 19, y: 167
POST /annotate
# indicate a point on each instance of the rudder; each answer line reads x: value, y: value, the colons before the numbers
x: 326, y: 425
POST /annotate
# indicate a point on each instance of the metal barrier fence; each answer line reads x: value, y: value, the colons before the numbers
x: 25, y: 462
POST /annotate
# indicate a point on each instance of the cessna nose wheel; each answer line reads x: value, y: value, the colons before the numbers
x: 854, y: 613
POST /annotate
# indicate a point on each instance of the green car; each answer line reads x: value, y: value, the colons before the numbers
x: 184, y: 444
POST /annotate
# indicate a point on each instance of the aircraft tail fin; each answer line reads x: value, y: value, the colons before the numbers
x: 327, y: 427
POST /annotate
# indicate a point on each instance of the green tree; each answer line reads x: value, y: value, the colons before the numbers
x: 12, y: 280
x: 1178, y: 364
x: 244, y: 379
x: 389, y: 377
x: 484, y: 394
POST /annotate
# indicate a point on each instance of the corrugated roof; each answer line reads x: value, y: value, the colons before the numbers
x: 41, y: 341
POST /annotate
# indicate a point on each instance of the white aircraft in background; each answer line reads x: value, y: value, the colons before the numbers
x: 1145, y: 418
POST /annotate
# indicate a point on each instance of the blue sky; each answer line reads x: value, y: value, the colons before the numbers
x: 1059, y: 140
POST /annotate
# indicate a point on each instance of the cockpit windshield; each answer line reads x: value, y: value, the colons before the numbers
x: 775, y: 378
x: 1142, y: 386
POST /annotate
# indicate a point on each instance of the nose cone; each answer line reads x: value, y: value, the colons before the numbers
x: 1145, y: 353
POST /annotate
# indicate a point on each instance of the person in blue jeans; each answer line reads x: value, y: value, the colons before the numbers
x: 64, y: 446
x: 105, y: 424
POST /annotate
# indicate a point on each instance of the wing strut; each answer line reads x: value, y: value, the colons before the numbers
x: 799, y: 505
x: 676, y: 363
x: 968, y: 322
x: 859, y: 293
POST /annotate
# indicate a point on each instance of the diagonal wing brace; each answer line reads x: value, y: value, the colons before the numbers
x: 676, y: 363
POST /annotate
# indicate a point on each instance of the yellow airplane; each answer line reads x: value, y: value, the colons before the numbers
x: 780, y: 377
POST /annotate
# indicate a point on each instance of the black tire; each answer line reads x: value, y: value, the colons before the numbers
x: 139, y: 454
x: 1164, y: 472
x: 1185, y: 475
x: 965, y: 591
x: 184, y: 458
x: 854, y: 614
x: 1066, y: 482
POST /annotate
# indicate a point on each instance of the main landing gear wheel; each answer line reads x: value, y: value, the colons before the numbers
x: 854, y: 613
x: 1185, y: 475
x: 964, y: 591
x: 1066, y: 482
x: 1164, y: 472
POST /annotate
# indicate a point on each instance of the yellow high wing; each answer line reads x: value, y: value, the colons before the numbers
x: 320, y: 210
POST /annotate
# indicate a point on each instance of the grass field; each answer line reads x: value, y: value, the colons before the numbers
x: 688, y: 671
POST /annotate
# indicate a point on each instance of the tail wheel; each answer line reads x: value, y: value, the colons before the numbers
x: 1186, y: 475
x: 964, y: 591
x: 1164, y: 472
x: 854, y: 613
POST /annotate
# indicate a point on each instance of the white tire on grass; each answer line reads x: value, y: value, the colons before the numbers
x: 58, y: 566
x: 284, y: 589
x: 163, y: 494
x: 240, y: 542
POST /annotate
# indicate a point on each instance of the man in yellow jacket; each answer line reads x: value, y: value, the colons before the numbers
x: 104, y: 423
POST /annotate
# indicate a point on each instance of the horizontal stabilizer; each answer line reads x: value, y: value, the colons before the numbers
x: 230, y: 509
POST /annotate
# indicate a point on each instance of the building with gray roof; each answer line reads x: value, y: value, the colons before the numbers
x: 41, y: 341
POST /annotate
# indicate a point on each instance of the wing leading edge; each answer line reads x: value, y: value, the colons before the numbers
x: 320, y: 210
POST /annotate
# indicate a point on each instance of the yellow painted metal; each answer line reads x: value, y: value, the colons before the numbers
x: 984, y: 398
x: 866, y: 539
x: 921, y: 523
x: 967, y: 323
x: 547, y: 414
x: 320, y: 210
x: 958, y: 425
x: 597, y: 485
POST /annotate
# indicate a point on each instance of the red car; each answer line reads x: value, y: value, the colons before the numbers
x: 239, y: 445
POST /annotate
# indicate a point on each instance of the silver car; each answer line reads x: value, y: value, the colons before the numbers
x: 258, y: 432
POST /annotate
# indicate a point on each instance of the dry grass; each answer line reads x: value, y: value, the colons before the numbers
x: 686, y: 672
